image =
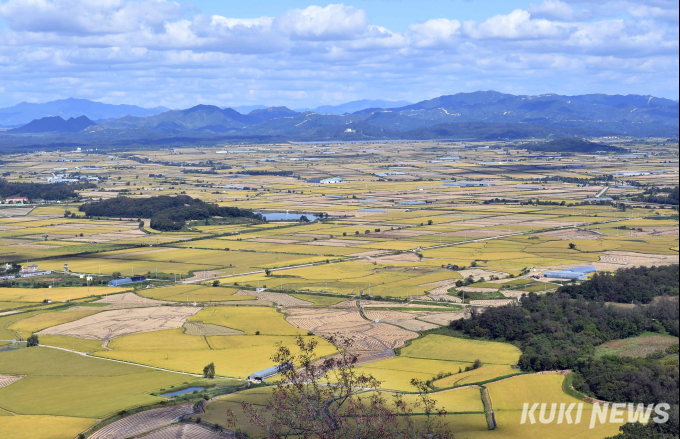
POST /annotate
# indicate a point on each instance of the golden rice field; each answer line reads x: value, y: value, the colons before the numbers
x: 55, y: 294
x: 370, y: 244
x: 234, y: 356
x: 47, y: 427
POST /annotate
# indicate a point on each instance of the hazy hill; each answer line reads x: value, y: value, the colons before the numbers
x: 55, y: 124
x: 571, y: 144
x: 261, y: 115
x: 354, y: 106
x: 592, y: 111
x: 485, y: 115
x: 25, y: 112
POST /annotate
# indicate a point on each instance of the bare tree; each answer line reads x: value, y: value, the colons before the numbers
x: 329, y: 398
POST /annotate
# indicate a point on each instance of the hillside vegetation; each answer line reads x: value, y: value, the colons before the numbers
x: 166, y: 212
x: 571, y: 144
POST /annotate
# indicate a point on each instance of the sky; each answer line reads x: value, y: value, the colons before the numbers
x: 303, y: 54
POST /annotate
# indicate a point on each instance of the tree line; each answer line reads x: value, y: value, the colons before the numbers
x: 41, y: 191
x: 560, y: 330
x: 166, y: 212
x: 631, y: 285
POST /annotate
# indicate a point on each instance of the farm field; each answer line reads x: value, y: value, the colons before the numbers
x: 64, y: 384
x: 644, y: 344
x: 387, y: 262
x: 234, y: 356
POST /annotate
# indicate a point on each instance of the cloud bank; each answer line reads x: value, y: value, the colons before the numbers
x: 159, y: 52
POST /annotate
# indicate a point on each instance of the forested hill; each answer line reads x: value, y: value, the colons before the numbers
x: 35, y: 191
x: 630, y: 285
x: 166, y: 212
x: 572, y: 144
x: 560, y: 330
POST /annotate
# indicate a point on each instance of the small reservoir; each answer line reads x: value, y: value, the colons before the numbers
x: 285, y: 216
x: 183, y: 391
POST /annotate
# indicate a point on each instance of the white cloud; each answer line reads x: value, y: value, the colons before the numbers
x: 88, y: 16
x: 516, y: 25
x: 556, y: 10
x: 158, y: 52
x: 333, y: 22
x: 435, y: 32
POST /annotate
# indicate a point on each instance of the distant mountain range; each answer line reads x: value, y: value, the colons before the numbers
x: 478, y: 115
x: 25, y: 112
x: 354, y: 106
x: 55, y: 124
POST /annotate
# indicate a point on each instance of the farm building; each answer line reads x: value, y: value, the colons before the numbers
x: 406, y: 203
x: 266, y: 373
x: 579, y: 273
x: 16, y: 200
x: 599, y: 199
x: 529, y: 187
x: 333, y: 180
x: 338, y: 197
x: 473, y: 184
x: 125, y: 281
x: 625, y: 186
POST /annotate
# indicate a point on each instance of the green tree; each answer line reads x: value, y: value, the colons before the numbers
x: 216, y: 283
x: 32, y: 341
x: 209, y: 371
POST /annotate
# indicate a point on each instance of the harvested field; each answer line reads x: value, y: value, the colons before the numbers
x: 130, y: 298
x: 402, y: 257
x: 631, y: 259
x: 477, y: 289
x: 513, y: 294
x: 571, y: 234
x: 6, y: 380
x: 476, y: 233
x: 351, y: 303
x: 34, y: 246
x: 275, y: 240
x: 366, y: 254
x: 142, y: 422
x: 497, y: 302
x: 204, y: 275
x: 443, y: 318
x: 441, y: 283
x: 338, y: 242
x: 414, y: 325
x: 140, y: 252
x: 403, y: 233
x: 208, y: 329
x: 187, y: 431
x: 368, y: 336
x: 441, y: 293
x: 478, y: 273
x: 281, y: 299
x: 106, y: 237
x: 110, y: 324
x: 658, y: 231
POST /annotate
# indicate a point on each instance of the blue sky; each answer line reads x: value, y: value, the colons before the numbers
x: 393, y: 14
x: 309, y: 53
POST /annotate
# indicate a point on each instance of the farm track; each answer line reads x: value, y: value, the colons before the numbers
x: 143, y: 422
x: 124, y: 362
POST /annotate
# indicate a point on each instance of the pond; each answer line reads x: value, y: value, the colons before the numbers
x: 183, y: 391
x: 285, y: 216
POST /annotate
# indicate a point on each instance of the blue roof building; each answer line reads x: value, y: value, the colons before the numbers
x: 125, y: 281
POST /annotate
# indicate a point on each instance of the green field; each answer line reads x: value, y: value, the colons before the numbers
x: 640, y: 346
x: 66, y: 384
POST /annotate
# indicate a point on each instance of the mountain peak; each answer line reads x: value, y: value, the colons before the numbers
x: 55, y: 124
